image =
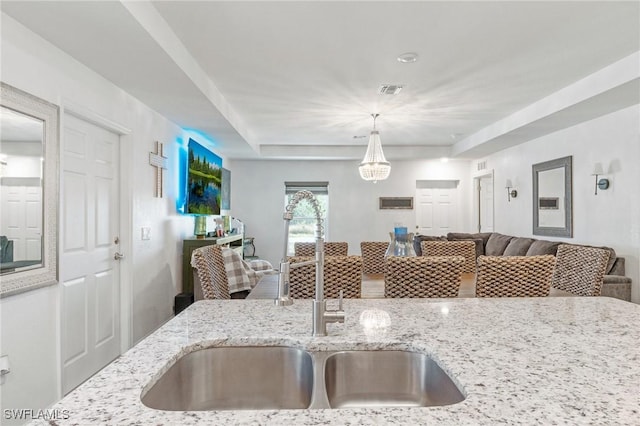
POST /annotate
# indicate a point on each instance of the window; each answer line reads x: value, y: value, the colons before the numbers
x: 303, y: 225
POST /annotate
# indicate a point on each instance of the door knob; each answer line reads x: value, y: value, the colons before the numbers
x: 118, y: 256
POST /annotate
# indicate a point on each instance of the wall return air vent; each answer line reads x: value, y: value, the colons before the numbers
x: 396, y: 203
x: 390, y: 89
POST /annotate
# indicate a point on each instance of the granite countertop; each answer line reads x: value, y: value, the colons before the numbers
x: 518, y: 361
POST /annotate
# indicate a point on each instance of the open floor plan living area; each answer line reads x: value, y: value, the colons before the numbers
x: 319, y: 212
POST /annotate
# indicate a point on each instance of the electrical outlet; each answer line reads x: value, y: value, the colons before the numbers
x: 146, y: 233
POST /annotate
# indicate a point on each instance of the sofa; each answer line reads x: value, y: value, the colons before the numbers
x: 615, y: 284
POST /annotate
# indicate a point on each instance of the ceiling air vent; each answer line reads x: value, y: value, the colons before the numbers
x: 389, y: 89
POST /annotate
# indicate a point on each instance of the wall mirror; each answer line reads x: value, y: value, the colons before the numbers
x: 552, y: 205
x: 28, y: 191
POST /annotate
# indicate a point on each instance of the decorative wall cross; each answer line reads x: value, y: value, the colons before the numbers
x: 159, y: 161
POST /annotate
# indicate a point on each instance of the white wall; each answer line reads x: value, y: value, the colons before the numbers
x: 29, y: 335
x: 22, y: 166
x: 354, y: 216
x: 152, y: 270
x: 611, y: 218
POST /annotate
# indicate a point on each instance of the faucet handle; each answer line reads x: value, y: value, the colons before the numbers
x: 340, y: 301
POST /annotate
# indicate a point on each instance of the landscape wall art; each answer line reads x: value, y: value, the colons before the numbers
x: 204, y: 181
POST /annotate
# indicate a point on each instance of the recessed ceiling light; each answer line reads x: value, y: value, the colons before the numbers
x: 408, y: 58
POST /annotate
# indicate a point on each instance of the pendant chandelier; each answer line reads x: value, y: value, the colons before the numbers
x: 374, y: 166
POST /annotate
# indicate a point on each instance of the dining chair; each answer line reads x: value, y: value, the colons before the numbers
x: 466, y: 249
x: 340, y: 273
x: 580, y: 270
x: 373, y: 256
x: 210, y: 273
x: 514, y: 276
x: 330, y: 249
x: 422, y: 276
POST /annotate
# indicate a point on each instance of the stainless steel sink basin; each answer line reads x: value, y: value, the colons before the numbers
x: 235, y: 378
x: 387, y: 379
x: 268, y: 377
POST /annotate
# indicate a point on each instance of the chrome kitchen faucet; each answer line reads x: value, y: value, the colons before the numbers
x: 321, y: 316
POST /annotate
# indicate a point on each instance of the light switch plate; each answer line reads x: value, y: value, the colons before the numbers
x: 146, y: 233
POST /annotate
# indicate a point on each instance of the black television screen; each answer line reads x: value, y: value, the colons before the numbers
x: 204, y: 180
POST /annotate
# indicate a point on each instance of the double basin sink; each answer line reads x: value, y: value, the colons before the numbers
x: 277, y: 377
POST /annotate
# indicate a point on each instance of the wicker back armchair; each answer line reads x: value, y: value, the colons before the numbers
x: 210, y: 272
x: 373, y: 256
x: 330, y: 249
x: 580, y: 270
x: 514, y: 276
x: 340, y: 273
x: 421, y: 276
x: 466, y: 249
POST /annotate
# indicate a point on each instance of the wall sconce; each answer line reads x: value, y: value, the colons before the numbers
x: 602, y: 183
x: 511, y: 193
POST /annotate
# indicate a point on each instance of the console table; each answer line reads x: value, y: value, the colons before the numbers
x: 235, y: 242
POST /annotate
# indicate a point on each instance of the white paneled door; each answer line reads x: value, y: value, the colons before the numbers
x: 90, y: 274
x: 486, y: 204
x: 436, y: 209
x: 21, y: 217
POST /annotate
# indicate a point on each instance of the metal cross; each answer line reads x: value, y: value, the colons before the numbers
x: 159, y: 161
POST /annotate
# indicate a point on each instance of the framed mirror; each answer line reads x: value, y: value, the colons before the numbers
x: 552, y: 199
x: 28, y: 191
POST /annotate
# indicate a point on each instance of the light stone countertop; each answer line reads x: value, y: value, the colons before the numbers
x: 533, y: 361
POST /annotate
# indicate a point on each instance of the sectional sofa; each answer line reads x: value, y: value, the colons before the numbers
x: 615, y: 284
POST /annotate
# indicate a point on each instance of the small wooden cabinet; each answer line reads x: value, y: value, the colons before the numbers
x: 236, y: 242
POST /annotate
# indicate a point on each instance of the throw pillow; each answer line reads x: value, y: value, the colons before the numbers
x: 497, y: 244
x: 542, y: 247
x: 518, y: 246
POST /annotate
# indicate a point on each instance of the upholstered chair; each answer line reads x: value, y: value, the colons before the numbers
x: 373, y: 256
x: 514, y: 276
x: 330, y: 249
x: 340, y: 273
x: 580, y: 270
x: 422, y: 276
x: 466, y: 249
